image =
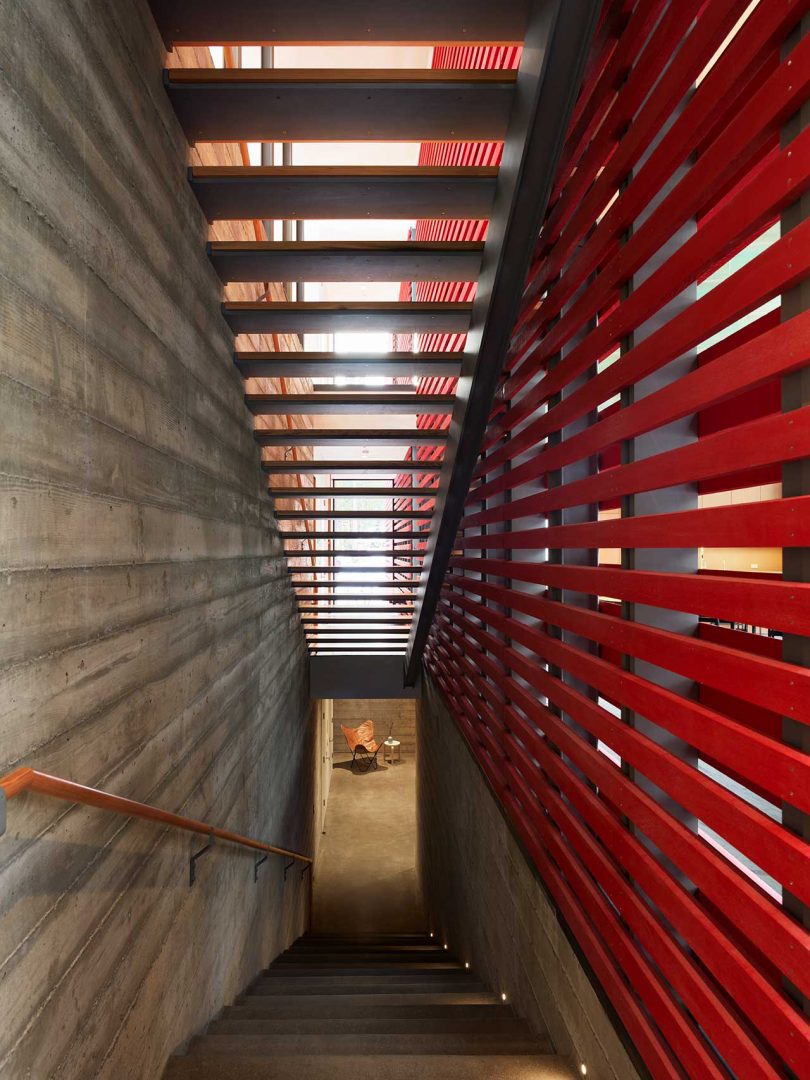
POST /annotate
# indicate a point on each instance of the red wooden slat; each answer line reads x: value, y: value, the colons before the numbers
x: 756, y: 995
x: 772, y: 523
x: 540, y: 651
x: 783, y: 349
x: 785, y: 437
x: 775, y: 188
x: 781, y: 604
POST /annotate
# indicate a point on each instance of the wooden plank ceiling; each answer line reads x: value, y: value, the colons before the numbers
x: 356, y: 567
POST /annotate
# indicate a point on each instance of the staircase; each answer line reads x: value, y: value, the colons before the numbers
x: 349, y: 1008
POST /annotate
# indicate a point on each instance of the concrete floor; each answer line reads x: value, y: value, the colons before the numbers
x: 365, y: 874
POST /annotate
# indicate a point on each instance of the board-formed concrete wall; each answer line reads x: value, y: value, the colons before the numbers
x: 483, y: 898
x: 148, y: 637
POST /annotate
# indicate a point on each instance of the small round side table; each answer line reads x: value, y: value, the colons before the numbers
x: 390, y: 748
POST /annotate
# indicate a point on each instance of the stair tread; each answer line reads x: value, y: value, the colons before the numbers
x: 369, y: 1025
x: 342, y: 1009
x: 367, y: 1067
x: 349, y: 970
x: 338, y: 1010
x: 419, y: 973
x: 367, y: 985
x: 356, y: 1001
x: 348, y: 1043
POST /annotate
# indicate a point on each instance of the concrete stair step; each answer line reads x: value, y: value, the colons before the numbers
x: 350, y: 941
x: 417, y: 972
x: 321, y: 1004
x: 345, y: 962
x: 320, y: 945
x: 504, y: 1025
x: 376, y: 956
x: 367, y: 1067
x: 335, y: 1044
x: 368, y: 984
x: 340, y: 1010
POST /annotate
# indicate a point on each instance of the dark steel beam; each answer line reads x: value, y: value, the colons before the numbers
x: 405, y: 621
x: 350, y: 22
x: 356, y: 468
x: 332, y: 534
x: 351, y: 437
x: 328, y: 317
x: 354, y: 624
x: 334, y: 583
x: 269, y: 365
x: 235, y: 192
x: 398, y: 599
x: 352, y: 650
x: 320, y: 404
x: 331, y: 553
x: 350, y: 493
x: 346, y: 260
x: 355, y: 633
x: 382, y: 609
x: 350, y: 515
x: 554, y: 53
x: 348, y: 105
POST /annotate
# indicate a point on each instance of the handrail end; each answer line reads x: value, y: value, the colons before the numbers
x: 14, y: 782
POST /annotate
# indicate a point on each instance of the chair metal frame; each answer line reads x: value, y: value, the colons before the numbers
x: 363, y: 755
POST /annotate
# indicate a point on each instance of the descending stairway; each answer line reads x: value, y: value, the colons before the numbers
x: 392, y: 1006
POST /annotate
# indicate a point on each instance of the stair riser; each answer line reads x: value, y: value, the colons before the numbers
x: 349, y: 1067
x: 368, y: 977
x: 277, y: 1003
x: 363, y: 999
x: 419, y: 972
x: 344, y: 986
x: 399, y: 941
x: 351, y: 1010
x: 294, y: 959
x: 260, y: 1045
x: 505, y: 1026
x: 341, y: 1011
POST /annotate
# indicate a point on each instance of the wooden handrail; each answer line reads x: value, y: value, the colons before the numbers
x: 25, y: 779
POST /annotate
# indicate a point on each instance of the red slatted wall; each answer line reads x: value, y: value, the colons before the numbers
x: 637, y: 706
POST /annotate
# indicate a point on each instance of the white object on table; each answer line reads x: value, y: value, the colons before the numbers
x: 390, y: 747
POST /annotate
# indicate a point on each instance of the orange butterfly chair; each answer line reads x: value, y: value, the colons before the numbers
x: 361, y: 743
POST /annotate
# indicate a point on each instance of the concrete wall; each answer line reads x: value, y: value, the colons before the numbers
x: 355, y: 677
x: 399, y: 712
x: 323, y: 713
x: 148, y: 635
x: 484, y: 899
